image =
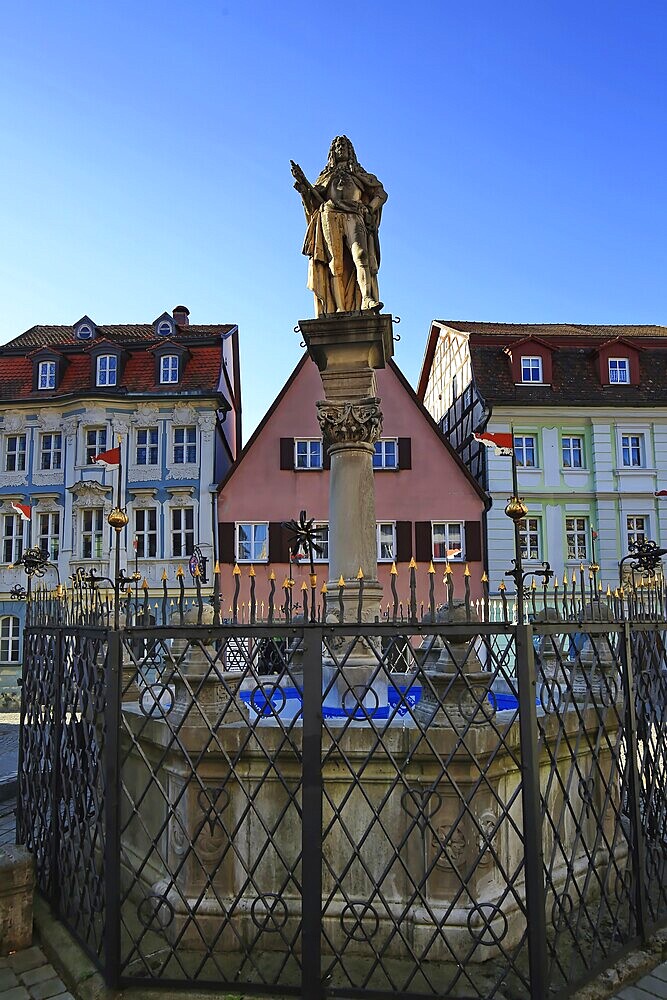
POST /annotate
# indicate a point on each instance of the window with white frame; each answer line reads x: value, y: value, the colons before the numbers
x: 308, y: 453
x: 147, y: 442
x: 386, y: 541
x: 633, y: 451
x: 92, y: 533
x: 84, y: 332
x: 572, y: 452
x: 447, y: 540
x: 164, y: 328
x: 10, y: 637
x: 46, y: 376
x: 252, y: 542
x: 576, y: 537
x: 182, y: 531
x: 51, y: 451
x: 96, y: 442
x: 145, y: 532
x: 48, y: 532
x: 15, y: 451
x: 530, y: 540
x: 619, y: 370
x: 185, y: 445
x: 637, y: 527
x: 107, y: 369
x: 531, y: 369
x: 169, y: 368
x: 525, y: 451
x: 322, y: 541
x: 386, y: 454
x: 12, y: 537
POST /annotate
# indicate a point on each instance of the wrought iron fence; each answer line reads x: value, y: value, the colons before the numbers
x: 469, y: 810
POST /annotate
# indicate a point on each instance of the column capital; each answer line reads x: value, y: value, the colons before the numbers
x: 350, y: 422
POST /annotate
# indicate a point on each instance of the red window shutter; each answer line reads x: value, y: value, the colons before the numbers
x: 423, y: 541
x: 226, y: 542
x: 287, y: 454
x: 405, y: 453
x: 403, y: 541
x: 473, y: 541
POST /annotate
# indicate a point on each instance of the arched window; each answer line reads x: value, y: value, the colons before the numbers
x: 10, y: 636
x: 164, y: 328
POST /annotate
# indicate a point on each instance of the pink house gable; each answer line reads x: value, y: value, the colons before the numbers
x: 429, y: 486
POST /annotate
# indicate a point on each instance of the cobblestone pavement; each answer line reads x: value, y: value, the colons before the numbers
x: 27, y: 975
x: 651, y: 987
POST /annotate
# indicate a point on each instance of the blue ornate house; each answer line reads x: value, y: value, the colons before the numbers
x: 170, y: 390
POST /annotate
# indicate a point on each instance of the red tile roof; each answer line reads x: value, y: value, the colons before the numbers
x: 553, y: 329
x: 126, y: 333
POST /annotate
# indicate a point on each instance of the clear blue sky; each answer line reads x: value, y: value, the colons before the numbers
x: 146, y: 147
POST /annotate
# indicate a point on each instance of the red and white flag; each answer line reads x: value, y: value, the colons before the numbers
x: 23, y: 509
x: 108, y: 459
x: 660, y: 493
x: 503, y: 444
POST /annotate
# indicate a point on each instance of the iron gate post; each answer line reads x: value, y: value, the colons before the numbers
x: 311, y: 824
x: 532, y: 814
x: 56, y: 770
x: 634, y: 784
x: 113, y: 686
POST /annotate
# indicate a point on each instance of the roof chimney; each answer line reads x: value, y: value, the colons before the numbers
x: 181, y: 314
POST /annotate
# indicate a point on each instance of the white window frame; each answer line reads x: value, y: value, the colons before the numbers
x: 381, y: 453
x: 528, y: 366
x: 92, y: 525
x: 253, y: 542
x: 311, y: 462
x: 633, y: 532
x: 107, y: 373
x: 570, y: 438
x: 579, y: 530
x: 641, y: 447
x: 46, y: 375
x: 146, y: 534
x: 531, y: 526
x: 186, y: 534
x: 169, y: 369
x: 99, y: 442
x: 85, y: 332
x: 13, y: 538
x: 148, y: 446
x: 53, y: 454
x: 183, y: 447
x: 324, y: 541
x: 448, y: 545
x: 10, y: 639
x: 48, y: 532
x: 164, y: 328
x: 621, y: 365
x: 523, y: 438
x: 19, y: 453
x: 379, y: 540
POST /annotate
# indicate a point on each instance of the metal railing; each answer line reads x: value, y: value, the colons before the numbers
x: 391, y: 810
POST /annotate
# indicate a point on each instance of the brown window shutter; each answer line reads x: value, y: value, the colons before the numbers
x: 423, y: 541
x: 403, y: 541
x: 279, y: 543
x: 473, y: 541
x: 326, y: 457
x: 226, y: 542
x: 405, y: 453
x: 287, y: 454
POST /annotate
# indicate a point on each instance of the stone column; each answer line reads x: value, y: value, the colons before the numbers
x: 348, y: 348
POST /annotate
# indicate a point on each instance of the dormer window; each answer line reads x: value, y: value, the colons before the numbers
x: 85, y: 329
x: 84, y: 332
x: 107, y: 370
x: 46, y: 378
x: 164, y: 328
x: 169, y: 368
x: 619, y: 371
x: 531, y: 369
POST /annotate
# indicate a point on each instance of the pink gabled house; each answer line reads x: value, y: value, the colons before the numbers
x: 427, y: 503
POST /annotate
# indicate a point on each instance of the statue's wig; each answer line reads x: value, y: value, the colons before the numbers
x: 351, y: 155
